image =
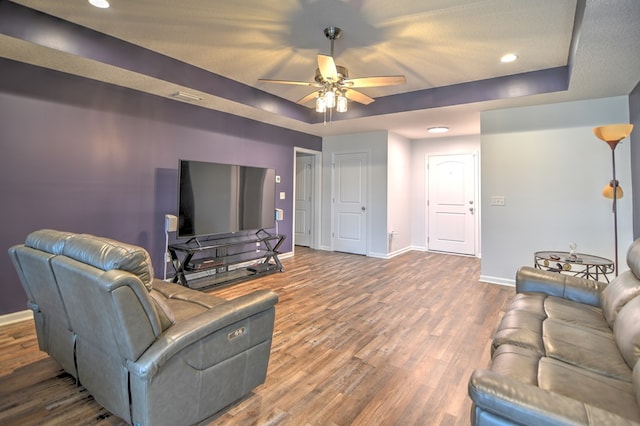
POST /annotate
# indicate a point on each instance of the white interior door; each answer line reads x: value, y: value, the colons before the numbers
x: 349, y: 202
x: 303, y: 200
x: 452, y: 203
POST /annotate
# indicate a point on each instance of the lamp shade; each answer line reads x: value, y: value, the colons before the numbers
x: 613, y: 132
x: 341, y: 104
x: 607, y: 191
x: 330, y: 98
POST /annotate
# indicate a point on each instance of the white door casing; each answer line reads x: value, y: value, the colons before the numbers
x: 452, y: 203
x: 303, y: 201
x: 350, y: 202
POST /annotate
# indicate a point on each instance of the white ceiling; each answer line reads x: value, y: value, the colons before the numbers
x: 433, y: 43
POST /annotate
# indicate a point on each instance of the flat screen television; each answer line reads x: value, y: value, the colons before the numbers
x: 216, y: 198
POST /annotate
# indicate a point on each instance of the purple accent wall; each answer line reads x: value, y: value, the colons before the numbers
x: 84, y: 156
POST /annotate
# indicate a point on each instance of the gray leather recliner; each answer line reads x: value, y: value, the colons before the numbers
x: 151, y: 352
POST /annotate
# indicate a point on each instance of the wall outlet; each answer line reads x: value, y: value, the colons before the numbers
x: 497, y: 200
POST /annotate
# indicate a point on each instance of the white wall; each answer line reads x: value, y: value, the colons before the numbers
x: 421, y: 149
x: 398, y: 194
x: 375, y: 144
x: 551, y: 169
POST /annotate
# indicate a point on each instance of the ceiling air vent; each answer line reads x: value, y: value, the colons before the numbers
x: 184, y: 96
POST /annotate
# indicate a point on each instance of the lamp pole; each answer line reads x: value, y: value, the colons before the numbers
x: 612, y: 134
x: 613, y: 145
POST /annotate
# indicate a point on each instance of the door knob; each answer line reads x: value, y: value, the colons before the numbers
x: 363, y: 208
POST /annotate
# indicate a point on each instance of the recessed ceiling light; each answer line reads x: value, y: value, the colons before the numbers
x: 102, y: 4
x: 438, y: 129
x: 509, y: 57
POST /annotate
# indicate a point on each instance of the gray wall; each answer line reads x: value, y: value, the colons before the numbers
x: 551, y: 169
x: 634, y: 118
x: 84, y: 156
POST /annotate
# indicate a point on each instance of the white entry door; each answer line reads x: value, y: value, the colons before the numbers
x: 349, y: 202
x: 452, y: 203
x: 304, y: 200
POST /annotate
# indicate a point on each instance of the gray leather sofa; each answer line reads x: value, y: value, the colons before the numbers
x: 151, y: 352
x: 565, y: 352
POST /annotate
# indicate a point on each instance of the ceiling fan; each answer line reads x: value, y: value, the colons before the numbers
x: 333, y: 82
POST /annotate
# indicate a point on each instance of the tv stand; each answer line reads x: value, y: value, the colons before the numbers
x: 213, y: 261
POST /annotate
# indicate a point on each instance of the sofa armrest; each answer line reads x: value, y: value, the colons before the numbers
x: 185, y: 333
x: 507, y: 401
x: 533, y: 280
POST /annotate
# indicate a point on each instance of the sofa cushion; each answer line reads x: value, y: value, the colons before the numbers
x: 555, y: 376
x: 618, y: 293
x: 165, y: 314
x: 576, y: 313
x: 520, y: 328
x: 545, y: 306
x: 588, y: 387
x: 184, y: 302
x: 106, y: 254
x: 633, y: 258
x: 586, y: 348
x: 48, y: 240
x: 627, y: 332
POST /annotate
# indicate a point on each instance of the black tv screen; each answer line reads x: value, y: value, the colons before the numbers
x: 216, y: 198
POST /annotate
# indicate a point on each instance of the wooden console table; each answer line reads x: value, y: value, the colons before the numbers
x: 582, y: 265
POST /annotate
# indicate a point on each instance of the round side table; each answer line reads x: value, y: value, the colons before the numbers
x: 580, y: 265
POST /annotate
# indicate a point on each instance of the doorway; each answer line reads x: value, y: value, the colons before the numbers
x: 451, y: 203
x: 306, y: 203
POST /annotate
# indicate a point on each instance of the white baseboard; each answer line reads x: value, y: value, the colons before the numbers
x: 285, y: 255
x: 497, y: 280
x: 16, y: 317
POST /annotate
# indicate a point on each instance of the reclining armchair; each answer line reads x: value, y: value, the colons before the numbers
x: 151, y: 352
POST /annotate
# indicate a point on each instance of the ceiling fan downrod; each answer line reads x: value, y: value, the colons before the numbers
x: 332, y: 33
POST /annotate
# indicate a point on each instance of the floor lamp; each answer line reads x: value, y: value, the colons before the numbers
x: 612, y: 134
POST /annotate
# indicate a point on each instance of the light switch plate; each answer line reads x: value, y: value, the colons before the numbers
x: 497, y: 200
x: 282, y: 195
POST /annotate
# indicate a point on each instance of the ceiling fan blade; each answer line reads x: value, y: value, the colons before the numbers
x: 359, y: 97
x: 295, y: 83
x: 307, y: 98
x: 327, y: 67
x: 389, y: 80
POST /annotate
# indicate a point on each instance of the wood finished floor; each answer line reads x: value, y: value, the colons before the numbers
x: 357, y: 341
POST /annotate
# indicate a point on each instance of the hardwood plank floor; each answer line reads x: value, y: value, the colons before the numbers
x: 357, y: 341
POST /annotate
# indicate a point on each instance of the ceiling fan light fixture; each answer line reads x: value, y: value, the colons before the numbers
x: 321, y: 104
x: 330, y: 98
x: 341, y: 105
